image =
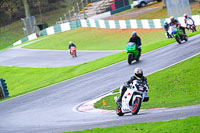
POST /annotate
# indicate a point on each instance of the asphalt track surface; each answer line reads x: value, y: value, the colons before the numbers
x: 54, y: 108
x: 48, y: 58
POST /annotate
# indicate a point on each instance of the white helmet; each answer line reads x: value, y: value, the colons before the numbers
x: 138, y: 73
x: 70, y: 42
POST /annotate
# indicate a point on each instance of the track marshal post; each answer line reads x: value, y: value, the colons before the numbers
x: 3, y: 89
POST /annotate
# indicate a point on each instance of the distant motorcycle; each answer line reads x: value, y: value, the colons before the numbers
x: 177, y: 34
x: 191, y: 26
x: 133, y: 53
x: 133, y: 98
x: 73, y: 52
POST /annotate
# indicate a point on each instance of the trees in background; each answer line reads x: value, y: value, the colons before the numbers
x: 26, y: 8
x: 12, y: 10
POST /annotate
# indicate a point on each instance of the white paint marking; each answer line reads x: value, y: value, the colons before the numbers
x: 133, y: 24
x: 65, y: 27
x: 112, y: 24
x: 122, y: 24
x: 145, y: 24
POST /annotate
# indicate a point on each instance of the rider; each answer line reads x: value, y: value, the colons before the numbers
x: 186, y: 19
x: 166, y: 27
x: 136, y: 39
x: 138, y: 75
x: 71, y: 44
x: 176, y: 23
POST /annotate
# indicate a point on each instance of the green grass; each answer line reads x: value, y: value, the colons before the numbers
x: 14, y: 32
x: 29, y: 79
x: 21, y: 80
x: 154, y: 14
x: 162, y: 13
x: 159, y: 13
x: 172, y: 87
x: 97, y: 39
x: 101, y: 39
x: 187, y: 125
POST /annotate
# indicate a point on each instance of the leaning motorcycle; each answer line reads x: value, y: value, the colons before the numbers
x: 133, y: 53
x: 191, y: 26
x: 177, y: 34
x: 73, y: 51
x: 132, y: 98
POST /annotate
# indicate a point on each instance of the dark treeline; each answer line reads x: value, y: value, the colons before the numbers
x: 12, y: 10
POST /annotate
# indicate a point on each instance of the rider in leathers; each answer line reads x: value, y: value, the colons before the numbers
x: 176, y: 23
x: 136, y: 39
x: 71, y: 44
x: 138, y: 75
x: 186, y: 19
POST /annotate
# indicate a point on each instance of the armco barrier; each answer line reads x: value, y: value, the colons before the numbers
x: 109, y: 24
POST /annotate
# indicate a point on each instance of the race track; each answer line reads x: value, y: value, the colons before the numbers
x: 52, y: 109
x: 48, y: 58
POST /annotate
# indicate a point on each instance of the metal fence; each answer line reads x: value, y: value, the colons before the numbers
x: 29, y: 25
x: 178, y: 8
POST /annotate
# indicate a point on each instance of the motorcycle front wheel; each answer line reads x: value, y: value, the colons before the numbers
x: 119, y: 111
x: 178, y: 39
x: 130, y: 58
x: 136, y: 106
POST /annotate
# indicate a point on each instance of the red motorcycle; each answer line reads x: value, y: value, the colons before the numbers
x: 73, y: 52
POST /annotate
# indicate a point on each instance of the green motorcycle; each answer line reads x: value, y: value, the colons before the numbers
x: 133, y: 53
x: 177, y: 34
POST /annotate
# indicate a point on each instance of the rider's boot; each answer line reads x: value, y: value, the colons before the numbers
x: 119, y: 102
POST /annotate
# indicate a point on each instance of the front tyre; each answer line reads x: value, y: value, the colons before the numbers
x: 130, y: 58
x: 136, y: 106
x: 178, y: 39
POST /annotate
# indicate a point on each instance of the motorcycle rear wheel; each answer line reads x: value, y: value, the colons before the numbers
x: 136, y: 107
x: 194, y: 27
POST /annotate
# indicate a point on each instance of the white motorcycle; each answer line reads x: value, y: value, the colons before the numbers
x: 191, y: 26
x: 132, y: 98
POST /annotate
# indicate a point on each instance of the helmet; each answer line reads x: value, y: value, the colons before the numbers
x: 185, y: 15
x: 138, y: 73
x: 172, y: 18
x: 165, y: 22
x: 134, y: 33
x: 70, y: 42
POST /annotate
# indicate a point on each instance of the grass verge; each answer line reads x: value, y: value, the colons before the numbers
x: 14, y: 32
x: 97, y: 39
x: 172, y: 87
x: 30, y: 79
x: 102, y: 39
x: 190, y: 124
x: 138, y: 13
